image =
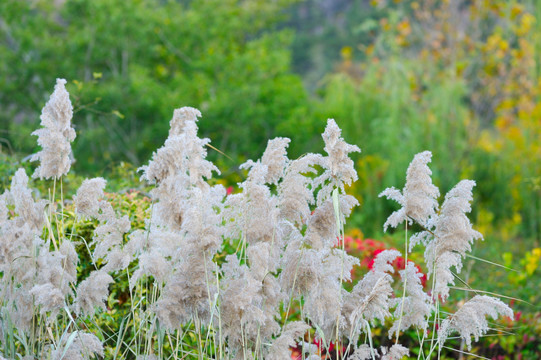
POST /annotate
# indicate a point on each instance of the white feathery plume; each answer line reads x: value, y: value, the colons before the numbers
x: 177, y: 167
x: 280, y: 347
x: 470, y: 319
x: 262, y: 258
x: 89, y: 194
x: 275, y: 158
x: 117, y: 259
x: 138, y: 241
x: 92, y: 292
x: 70, y: 258
x: 202, y: 225
x: 168, y: 196
x: 340, y: 170
x: 453, y: 237
x: 362, y: 352
x: 272, y: 296
x: 187, y: 292
x: 156, y: 238
x: 29, y: 211
x: 151, y: 263
x: 319, y: 271
x: 255, y: 211
x: 196, y: 165
x: 311, y: 267
x: 263, y: 295
x: 165, y: 161
x: 321, y: 226
x: 240, y: 305
x: 295, y: 191
x: 83, y: 346
x: 396, y: 352
x: 317, y: 275
x: 183, y: 152
x: 180, y: 117
x: 110, y: 232
x: 51, y: 269
x: 189, y: 288
x: 4, y: 211
x: 383, y: 261
x: 416, y: 306
x: 419, y: 196
x: 184, y: 232
x: 369, y: 299
x: 109, y: 237
x: 55, y: 136
x: 19, y: 232
x: 48, y: 297
x: 21, y: 313
x: 324, y: 301
x: 300, y: 268
x: 15, y: 246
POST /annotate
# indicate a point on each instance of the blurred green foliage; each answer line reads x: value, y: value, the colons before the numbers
x: 394, y: 87
x: 130, y: 63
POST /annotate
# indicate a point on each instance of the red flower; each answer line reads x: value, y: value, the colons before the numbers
x: 332, y: 349
x: 296, y: 353
x: 424, y: 277
x: 371, y: 243
x: 398, y: 263
x: 374, y: 255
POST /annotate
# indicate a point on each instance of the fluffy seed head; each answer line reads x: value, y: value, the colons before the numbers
x: 88, y: 197
x: 470, y: 319
x: 56, y: 135
x: 419, y: 196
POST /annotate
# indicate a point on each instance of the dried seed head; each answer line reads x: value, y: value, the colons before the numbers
x: 56, y: 135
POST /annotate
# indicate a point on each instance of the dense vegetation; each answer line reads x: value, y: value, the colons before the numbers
x: 459, y: 78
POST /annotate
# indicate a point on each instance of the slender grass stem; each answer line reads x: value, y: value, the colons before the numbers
x: 405, y: 283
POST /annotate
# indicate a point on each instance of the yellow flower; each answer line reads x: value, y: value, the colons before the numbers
x: 532, y: 261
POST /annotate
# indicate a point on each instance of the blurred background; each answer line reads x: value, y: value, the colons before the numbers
x: 460, y: 78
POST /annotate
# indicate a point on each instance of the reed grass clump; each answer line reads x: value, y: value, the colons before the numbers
x: 286, y: 229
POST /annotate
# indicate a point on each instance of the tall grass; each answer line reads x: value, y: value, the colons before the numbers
x: 212, y: 275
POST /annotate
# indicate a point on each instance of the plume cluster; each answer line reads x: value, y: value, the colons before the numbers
x: 447, y: 236
x: 78, y: 345
x: 184, y: 232
x: 108, y: 244
x: 369, y: 299
x: 415, y: 308
x: 38, y: 263
x: 35, y: 278
x: 286, y: 223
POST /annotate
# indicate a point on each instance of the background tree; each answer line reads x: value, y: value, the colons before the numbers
x: 129, y: 62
